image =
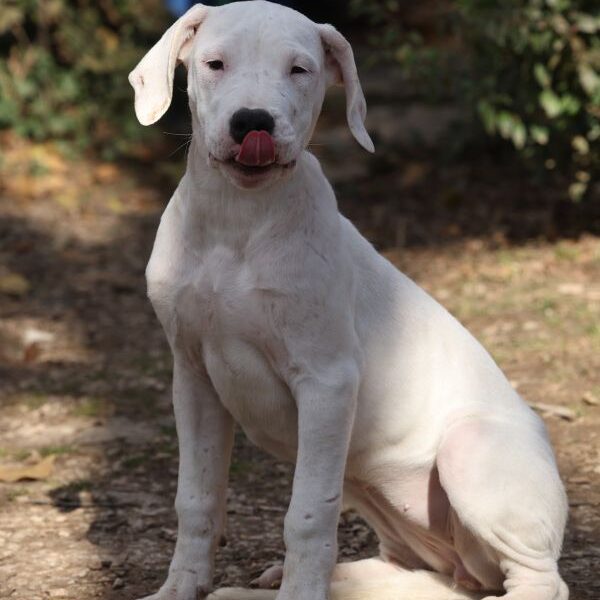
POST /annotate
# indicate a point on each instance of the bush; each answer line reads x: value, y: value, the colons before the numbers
x: 64, y: 66
x: 531, y: 74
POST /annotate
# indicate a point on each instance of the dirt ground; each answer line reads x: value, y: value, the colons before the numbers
x: 85, y: 372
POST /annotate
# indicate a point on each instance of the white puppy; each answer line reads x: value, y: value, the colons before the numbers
x: 282, y: 317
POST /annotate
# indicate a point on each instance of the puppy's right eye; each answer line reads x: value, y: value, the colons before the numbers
x: 215, y: 65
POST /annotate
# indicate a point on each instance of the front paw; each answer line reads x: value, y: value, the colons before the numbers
x: 182, y: 584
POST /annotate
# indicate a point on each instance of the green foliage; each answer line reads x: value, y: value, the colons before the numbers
x: 397, y: 41
x: 531, y: 74
x: 64, y: 66
x: 537, y: 64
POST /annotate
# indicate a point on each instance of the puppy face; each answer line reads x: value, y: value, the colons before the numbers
x: 257, y: 76
x: 256, y: 67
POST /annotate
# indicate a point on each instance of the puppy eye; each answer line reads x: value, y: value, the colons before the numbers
x: 215, y: 65
x: 296, y: 70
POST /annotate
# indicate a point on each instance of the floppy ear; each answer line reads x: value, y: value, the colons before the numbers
x: 342, y: 70
x: 152, y: 79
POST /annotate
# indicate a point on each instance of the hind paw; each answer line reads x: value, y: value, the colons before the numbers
x: 270, y: 578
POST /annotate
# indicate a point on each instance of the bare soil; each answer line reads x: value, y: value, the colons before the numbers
x: 85, y: 372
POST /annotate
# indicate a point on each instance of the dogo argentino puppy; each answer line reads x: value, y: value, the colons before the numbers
x: 283, y: 318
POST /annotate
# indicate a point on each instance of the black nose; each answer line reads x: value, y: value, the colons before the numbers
x: 250, y: 119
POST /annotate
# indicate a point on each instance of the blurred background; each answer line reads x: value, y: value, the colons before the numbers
x: 484, y: 189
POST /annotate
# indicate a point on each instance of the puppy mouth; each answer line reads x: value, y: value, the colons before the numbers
x: 254, y: 170
x: 255, y: 157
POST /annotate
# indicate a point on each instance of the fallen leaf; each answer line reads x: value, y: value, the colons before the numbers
x: 106, y: 173
x: 554, y: 410
x: 590, y: 399
x: 14, y: 284
x: 31, y: 353
x: 571, y: 289
x: 41, y: 470
x: 413, y: 174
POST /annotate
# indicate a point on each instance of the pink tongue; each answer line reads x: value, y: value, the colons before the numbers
x: 257, y: 150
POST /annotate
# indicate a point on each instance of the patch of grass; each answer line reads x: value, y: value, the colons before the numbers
x: 547, y: 304
x: 138, y: 401
x: 513, y: 262
x: 36, y: 168
x: 549, y: 308
x: 238, y: 467
x: 33, y: 400
x: 133, y: 462
x: 169, y: 447
x: 593, y: 330
x: 21, y: 454
x: 14, y: 492
x: 168, y: 430
x: 91, y: 407
x: 65, y: 449
x: 158, y: 366
x: 566, y: 252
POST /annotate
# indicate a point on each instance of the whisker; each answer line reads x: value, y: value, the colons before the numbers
x: 172, y: 133
x: 186, y: 143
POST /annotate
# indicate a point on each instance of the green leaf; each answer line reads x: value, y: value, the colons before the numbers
x: 551, y: 103
x: 9, y: 17
x: 580, y: 145
x: 589, y: 79
x: 577, y: 190
x: 488, y: 116
x: 539, y: 134
x: 587, y: 23
x: 541, y: 74
x: 519, y: 134
x: 570, y: 104
x: 505, y: 123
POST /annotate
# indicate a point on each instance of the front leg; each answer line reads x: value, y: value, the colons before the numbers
x: 205, y: 433
x: 326, y: 409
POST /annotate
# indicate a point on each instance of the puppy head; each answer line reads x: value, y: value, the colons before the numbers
x: 257, y: 76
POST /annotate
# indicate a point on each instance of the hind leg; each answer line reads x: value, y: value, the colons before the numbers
x: 367, y: 569
x: 359, y: 570
x: 508, y: 504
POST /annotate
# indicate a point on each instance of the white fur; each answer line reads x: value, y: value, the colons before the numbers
x: 282, y: 317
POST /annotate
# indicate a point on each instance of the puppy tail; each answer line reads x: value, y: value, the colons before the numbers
x: 413, y: 585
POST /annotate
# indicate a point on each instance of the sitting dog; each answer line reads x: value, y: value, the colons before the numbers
x: 283, y: 318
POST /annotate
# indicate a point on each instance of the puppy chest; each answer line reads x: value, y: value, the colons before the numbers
x: 256, y: 397
x: 221, y: 295
x: 225, y: 316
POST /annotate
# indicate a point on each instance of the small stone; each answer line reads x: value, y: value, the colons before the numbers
x: 118, y: 583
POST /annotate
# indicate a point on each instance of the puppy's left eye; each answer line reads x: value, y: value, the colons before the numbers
x: 215, y: 65
x: 296, y: 70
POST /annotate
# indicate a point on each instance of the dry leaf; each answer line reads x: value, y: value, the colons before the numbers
x: 106, y: 173
x: 554, y: 410
x: 14, y: 284
x: 590, y: 399
x: 41, y: 470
